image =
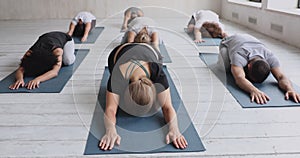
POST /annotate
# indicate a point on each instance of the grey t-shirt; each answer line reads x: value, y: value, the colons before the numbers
x: 241, y: 48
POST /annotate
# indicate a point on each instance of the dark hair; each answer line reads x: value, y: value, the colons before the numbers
x: 259, y: 71
x: 38, y: 62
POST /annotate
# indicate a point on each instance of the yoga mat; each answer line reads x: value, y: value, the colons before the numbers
x: 208, y: 41
x: 93, y: 35
x: 54, y: 85
x: 269, y: 86
x: 141, y: 134
x: 164, y: 53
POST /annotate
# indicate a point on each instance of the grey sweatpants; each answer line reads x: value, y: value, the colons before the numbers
x: 68, y: 57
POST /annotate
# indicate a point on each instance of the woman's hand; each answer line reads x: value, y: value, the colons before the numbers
x: 35, y: 83
x: 84, y: 38
x: 17, y: 84
x: 177, y: 138
x: 199, y: 41
x: 110, y: 138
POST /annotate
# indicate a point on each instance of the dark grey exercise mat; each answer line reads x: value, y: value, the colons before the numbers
x: 269, y: 86
x: 93, y: 35
x: 141, y: 134
x: 208, y: 41
x: 164, y: 53
x: 54, y: 85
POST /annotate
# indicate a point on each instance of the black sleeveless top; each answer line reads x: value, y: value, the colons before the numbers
x: 117, y: 83
x: 50, y: 41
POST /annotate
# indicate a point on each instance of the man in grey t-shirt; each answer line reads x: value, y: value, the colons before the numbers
x: 251, y: 62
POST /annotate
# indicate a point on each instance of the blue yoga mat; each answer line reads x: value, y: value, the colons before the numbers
x: 164, y: 53
x: 141, y: 134
x: 54, y: 85
x: 93, y: 35
x: 208, y: 41
x: 269, y: 86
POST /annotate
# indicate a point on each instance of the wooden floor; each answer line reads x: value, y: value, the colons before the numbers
x: 57, y: 125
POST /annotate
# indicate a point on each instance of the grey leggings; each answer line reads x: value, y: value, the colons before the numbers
x: 68, y: 57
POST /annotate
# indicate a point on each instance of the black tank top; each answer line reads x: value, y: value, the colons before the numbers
x: 50, y: 41
x: 117, y: 83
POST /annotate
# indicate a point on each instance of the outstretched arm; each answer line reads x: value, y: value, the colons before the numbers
x: 19, y: 79
x: 87, y: 29
x: 111, y: 136
x: 285, y: 84
x: 49, y: 74
x: 155, y: 40
x: 130, y: 37
x: 71, y: 29
x: 127, y: 16
x: 240, y: 79
x: 174, y: 134
x: 198, y: 36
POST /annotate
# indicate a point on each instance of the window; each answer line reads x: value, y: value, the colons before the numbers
x: 259, y: 1
x: 247, y: 3
x: 298, y: 4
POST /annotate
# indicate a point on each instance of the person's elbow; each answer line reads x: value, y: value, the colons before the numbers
x: 54, y: 74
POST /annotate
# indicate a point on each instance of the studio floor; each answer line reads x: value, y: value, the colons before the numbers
x: 57, y: 124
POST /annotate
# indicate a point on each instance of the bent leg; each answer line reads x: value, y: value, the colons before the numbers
x: 68, y: 54
x: 223, y: 58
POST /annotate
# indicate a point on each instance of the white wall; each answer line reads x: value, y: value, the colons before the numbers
x: 289, y: 23
x: 51, y: 9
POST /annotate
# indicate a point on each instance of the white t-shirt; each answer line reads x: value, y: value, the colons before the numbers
x: 84, y: 16
x: 138, y: 23
x: 241, y: 48
x: 203, y: 16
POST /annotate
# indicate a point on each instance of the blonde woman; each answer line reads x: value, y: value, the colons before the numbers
x: 142, y: 30
x: 139, y: 86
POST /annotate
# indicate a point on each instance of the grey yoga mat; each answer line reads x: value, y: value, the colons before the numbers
x: 208, y: 41
x: 141, y: 134
x: 93, y: 35
x: 164, y: 53
x: 54, y: 85
x: 269, y: 86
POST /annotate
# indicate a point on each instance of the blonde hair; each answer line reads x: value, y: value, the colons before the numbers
x: 143, y: 37
x: 139, y: 97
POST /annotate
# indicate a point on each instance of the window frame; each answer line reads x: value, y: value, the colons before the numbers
x: 257, y: 1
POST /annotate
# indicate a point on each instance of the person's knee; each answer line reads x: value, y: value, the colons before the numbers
x: 69, y: 61
x: 68, y: 54
x: 190, y: 28
x: 223, y: 50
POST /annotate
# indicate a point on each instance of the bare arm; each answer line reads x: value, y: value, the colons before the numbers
x: 19, y: 79
x: 174, y: 134
x: 111, y: 137
x: 131, y: 36
x: 71, y: 29
x: 155, y: 40
x: 127, y: 16
x: 198, y: 35
x: 285, y: 84
x: 49, y: 74
x: 87, y: 29
x: 240, y: 79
